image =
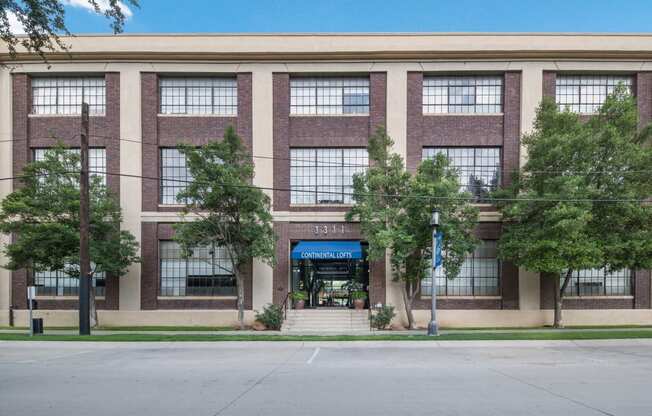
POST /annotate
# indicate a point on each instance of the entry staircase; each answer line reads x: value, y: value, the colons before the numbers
x: 331, y: 321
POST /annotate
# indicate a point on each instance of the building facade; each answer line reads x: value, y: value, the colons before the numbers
x: 305, y: 106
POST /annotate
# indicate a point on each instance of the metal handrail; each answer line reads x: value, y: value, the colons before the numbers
x: 285, y: 306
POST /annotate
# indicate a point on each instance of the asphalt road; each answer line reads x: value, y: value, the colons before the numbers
x: 294, y: 378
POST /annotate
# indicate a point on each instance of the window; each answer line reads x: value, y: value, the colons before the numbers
x: 217, y: 96
x: 479, y: 275
x: 207, y: 272
x: 64, y: 95
x: 96, y: 160
x: 586, y: 93
x: 58, y: 283
x: 328, y: 96
x: 462, y: 94
x: 325, y: 176
x: 599, y: 282
x: 175, y: 175
x: 478, y: 167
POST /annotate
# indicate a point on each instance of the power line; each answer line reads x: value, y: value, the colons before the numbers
x: 424, y: 197
x: 325, y: 163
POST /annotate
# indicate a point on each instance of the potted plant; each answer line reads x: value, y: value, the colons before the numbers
x: 299, y: 299
x: 359, y: 297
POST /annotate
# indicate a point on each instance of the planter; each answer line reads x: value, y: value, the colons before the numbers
x: 299, y: 304
x: 358, y: 304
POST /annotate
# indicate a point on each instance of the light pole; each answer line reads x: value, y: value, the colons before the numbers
x: 432, y: 326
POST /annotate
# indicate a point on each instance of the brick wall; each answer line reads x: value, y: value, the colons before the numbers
x: 319, y: 131
x: 32, y: 132
x: 168, y: 131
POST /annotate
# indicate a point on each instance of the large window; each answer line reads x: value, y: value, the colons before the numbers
x: 218, y: 96
x: 58, y: 283
x: 462, y: 94
x: 586, y: 93
x: 599, y: 282
x: 207, y: 272
x: 478, y: 167
x: 64, y: 95
x: 96, y: 160
x: 325, y: 176
x: 479, y: 275
x: 175, y: 176
x: 328, y: 96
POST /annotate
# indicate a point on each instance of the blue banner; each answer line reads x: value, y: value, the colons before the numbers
x: 438, y: 240
x: 327, y: 250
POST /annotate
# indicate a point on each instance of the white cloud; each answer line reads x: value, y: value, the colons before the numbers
x: 104, y: 4
x: 14, y: 25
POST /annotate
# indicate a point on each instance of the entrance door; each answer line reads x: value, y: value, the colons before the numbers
x: 329, y: 283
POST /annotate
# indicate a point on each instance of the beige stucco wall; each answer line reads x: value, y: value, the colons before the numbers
x: 5, y: 186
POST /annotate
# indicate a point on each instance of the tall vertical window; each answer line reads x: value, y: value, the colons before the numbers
x: 462, y: 94
x: 328, y: 96
x: 586, y: 93
x: 175, y: 176
x: 478, y: 167
x: 479, y: 275
x: 599, y: 282
x: 217, y: 96
x: 325, y: 176
x: 207, y: 272
x: 64, y: 95
x: 96, y: 160
x: 59, y: 283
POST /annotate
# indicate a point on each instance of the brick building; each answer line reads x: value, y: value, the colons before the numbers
x: 305, y: 106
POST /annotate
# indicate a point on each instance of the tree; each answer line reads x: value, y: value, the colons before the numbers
x: 43, y: 216
x: 231, y: 213
x: 43, y: 22
x: 577, y: 200
x: 394, y: 210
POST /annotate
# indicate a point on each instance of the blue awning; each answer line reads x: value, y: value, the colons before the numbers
x: 327, y: 250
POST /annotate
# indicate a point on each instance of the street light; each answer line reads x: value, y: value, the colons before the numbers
x: 432, y: 326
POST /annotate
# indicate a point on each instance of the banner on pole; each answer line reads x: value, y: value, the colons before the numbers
x: 437, y: 239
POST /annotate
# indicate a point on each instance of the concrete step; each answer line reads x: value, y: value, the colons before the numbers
x: 326, y: 320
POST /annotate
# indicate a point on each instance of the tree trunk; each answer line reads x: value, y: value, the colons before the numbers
x: 559, y: 298
x: 92, y: 308
x: 408, y: 306
x: 240, y: 287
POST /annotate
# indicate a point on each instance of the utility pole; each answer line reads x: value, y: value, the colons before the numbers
x: 84, y: 220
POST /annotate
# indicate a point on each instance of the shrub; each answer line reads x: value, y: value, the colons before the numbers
x: 271, y: 317
x: 295, y: 296
x: 382, y: 318
x: 359, y: 294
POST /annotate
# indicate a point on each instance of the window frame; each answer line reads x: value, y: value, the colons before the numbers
x: 101, y: 169
x: 472, y: 256
x: 60, y: 275
x: 95, y: 110
x: 176, y: 180
x: 187, y: 266
x: 319, y: 109
x: 454, y: 81
x: 315, y: 166
x: 588, y: 80
x: 603, y: 275
x: 213, y: 87
x: 478, y: 198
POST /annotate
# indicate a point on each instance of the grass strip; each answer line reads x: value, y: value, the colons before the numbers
x: 503, y: 336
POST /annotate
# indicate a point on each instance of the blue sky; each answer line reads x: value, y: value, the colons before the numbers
x: 376, y: 16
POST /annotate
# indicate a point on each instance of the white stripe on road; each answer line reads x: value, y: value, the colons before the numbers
x: 313, y: 356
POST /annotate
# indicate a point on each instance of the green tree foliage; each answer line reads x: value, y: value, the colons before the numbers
x: 394, y: 209
x: 231, y: 213
x: 43, y: 216
x: 43, y: 22
x: 576, y: 167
